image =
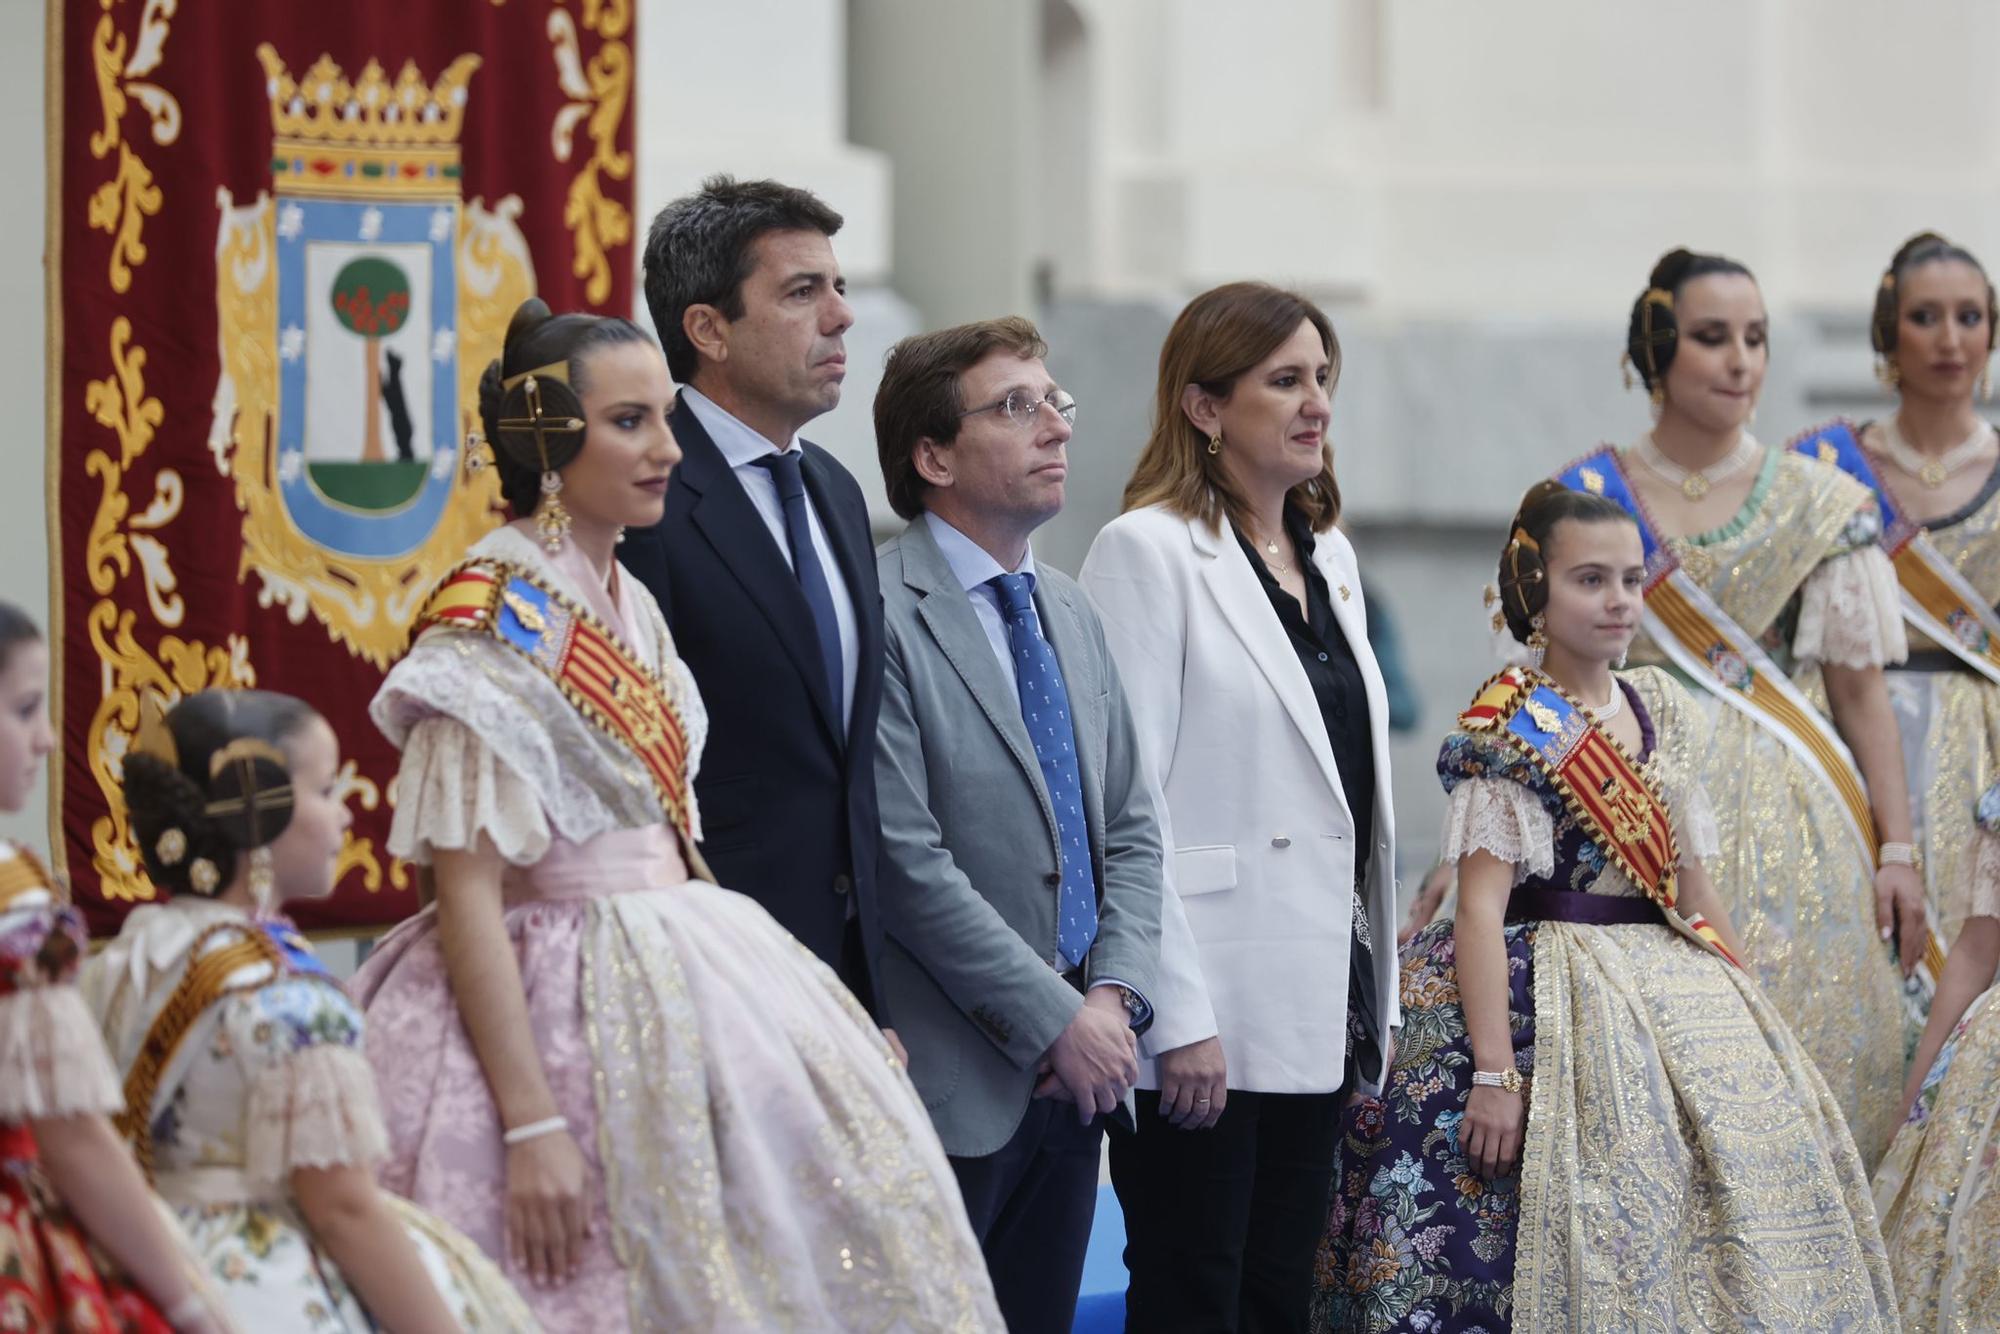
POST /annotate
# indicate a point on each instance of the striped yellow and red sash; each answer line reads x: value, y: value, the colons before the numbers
x: 1599, y: 784
x: 595, y: 672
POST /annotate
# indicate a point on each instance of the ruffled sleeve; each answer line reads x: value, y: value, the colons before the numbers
x: 1695, y: 824
x: 1499, y: 816
x: 52, y: 1058
x: 312, y: 1100
x: 1850, y: 612
x: 452, y: 787
x: 1494, y: 805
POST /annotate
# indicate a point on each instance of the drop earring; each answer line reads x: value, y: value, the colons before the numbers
x: 1215, y: 444
x: 551, y: 519
x: 1538, y: 640
x: 1890, y: 374
x: 263, y: 881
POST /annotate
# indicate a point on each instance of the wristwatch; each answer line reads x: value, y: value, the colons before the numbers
x: 1508, y: 1080
x: 1133, y: 1005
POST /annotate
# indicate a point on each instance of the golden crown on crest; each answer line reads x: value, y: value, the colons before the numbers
x: 326, y: 108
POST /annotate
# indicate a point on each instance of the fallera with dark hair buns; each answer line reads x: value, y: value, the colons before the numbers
x: 1653, y: 333
x: 538, y: 340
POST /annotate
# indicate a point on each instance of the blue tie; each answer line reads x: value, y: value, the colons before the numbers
x: 1045, y: 709
x: 791, y: 482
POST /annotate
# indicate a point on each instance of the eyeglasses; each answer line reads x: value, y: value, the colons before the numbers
x: 1020, y: 407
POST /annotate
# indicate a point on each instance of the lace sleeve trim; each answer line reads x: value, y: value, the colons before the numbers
x: 52, y: 1058
x: 452, y: 788
x: 1985, y: 875
x: 1503, y: 818
x: 1851, y: 613
x: 1700, y: 833
x: 315, y: 1108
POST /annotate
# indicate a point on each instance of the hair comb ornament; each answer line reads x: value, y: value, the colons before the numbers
x: 154, y: 737
x: 541, y: 404
x: 203, y: 877
x: 249, y: 792
x: 170, y: 847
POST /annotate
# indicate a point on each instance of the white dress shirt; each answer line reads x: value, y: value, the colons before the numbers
x: 741, y: 447
x: 974, y: 567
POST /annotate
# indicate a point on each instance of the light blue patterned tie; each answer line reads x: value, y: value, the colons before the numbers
x: 1045, y: 708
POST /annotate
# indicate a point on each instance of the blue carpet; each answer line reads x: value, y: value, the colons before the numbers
x: 1100, y: 1306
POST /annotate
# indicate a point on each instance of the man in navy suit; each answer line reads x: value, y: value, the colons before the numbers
x: 763, y: 561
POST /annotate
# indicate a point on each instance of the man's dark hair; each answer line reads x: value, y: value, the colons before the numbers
x: 698, y: 252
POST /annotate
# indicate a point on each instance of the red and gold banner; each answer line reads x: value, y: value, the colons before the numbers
x: 284, y: 240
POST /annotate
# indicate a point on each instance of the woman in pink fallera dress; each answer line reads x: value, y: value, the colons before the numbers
x: 655, y: 1106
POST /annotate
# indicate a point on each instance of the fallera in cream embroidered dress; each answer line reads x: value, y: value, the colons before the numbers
x: 1800, y: 568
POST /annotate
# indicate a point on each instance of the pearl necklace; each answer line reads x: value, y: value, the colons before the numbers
x: 1698, y: 482
x: 1604, y: 713
x: 1932, y: 472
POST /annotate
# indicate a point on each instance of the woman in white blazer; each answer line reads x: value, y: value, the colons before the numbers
x: 1234, y: 612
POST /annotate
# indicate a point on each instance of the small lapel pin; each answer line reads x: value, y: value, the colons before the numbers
x: 1344, y: 594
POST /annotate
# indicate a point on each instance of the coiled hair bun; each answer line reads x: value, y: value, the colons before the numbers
x: 1652, y: 334
x: 208, y: 782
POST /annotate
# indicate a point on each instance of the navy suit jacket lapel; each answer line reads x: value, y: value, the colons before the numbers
x: 725, y: 517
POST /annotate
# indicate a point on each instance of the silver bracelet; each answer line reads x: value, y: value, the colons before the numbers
x: 534, y: 1130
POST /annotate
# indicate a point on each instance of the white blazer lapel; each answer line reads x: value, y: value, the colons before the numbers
x: 1247, y: 608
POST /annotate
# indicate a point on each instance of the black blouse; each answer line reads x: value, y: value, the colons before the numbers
x: 1330, y: 666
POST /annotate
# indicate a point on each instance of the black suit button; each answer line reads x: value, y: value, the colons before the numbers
x: 843, y: 883
x: 1053, y: 880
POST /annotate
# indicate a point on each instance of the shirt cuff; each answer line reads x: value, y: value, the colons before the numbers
x: 1140, y: 1017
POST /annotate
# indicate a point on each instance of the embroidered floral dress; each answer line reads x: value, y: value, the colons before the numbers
x: 268, y: 1078
x: 52, y: 1064
x: 1939, y: 1188
x: 1801, y: 569
x: 1683, y: 1163
x: 758, y: 1162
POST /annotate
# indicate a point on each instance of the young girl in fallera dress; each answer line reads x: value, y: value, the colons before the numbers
x: 1592, y: 1106
x: 247, y: 1094
x: 69, y: 1190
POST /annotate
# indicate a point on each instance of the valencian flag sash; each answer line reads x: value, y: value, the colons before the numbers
x: 594, y: 671
x: 1715, y: 653
x: 1937, y: 599
x: 1599, y: 785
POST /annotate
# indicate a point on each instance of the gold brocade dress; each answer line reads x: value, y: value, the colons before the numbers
x: 1800, y: 570
x: 1683, y: 1165
x: 1949, y: 716
x: 1939, y: 1189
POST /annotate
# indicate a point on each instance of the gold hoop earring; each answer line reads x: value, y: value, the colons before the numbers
x: 1538, y: 639
x: 1215, y: 444
x: 552, y: 521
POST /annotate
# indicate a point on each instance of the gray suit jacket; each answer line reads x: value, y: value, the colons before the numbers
x: 970, y: 863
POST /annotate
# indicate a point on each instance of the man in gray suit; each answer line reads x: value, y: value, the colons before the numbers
x: 1020, y: 874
